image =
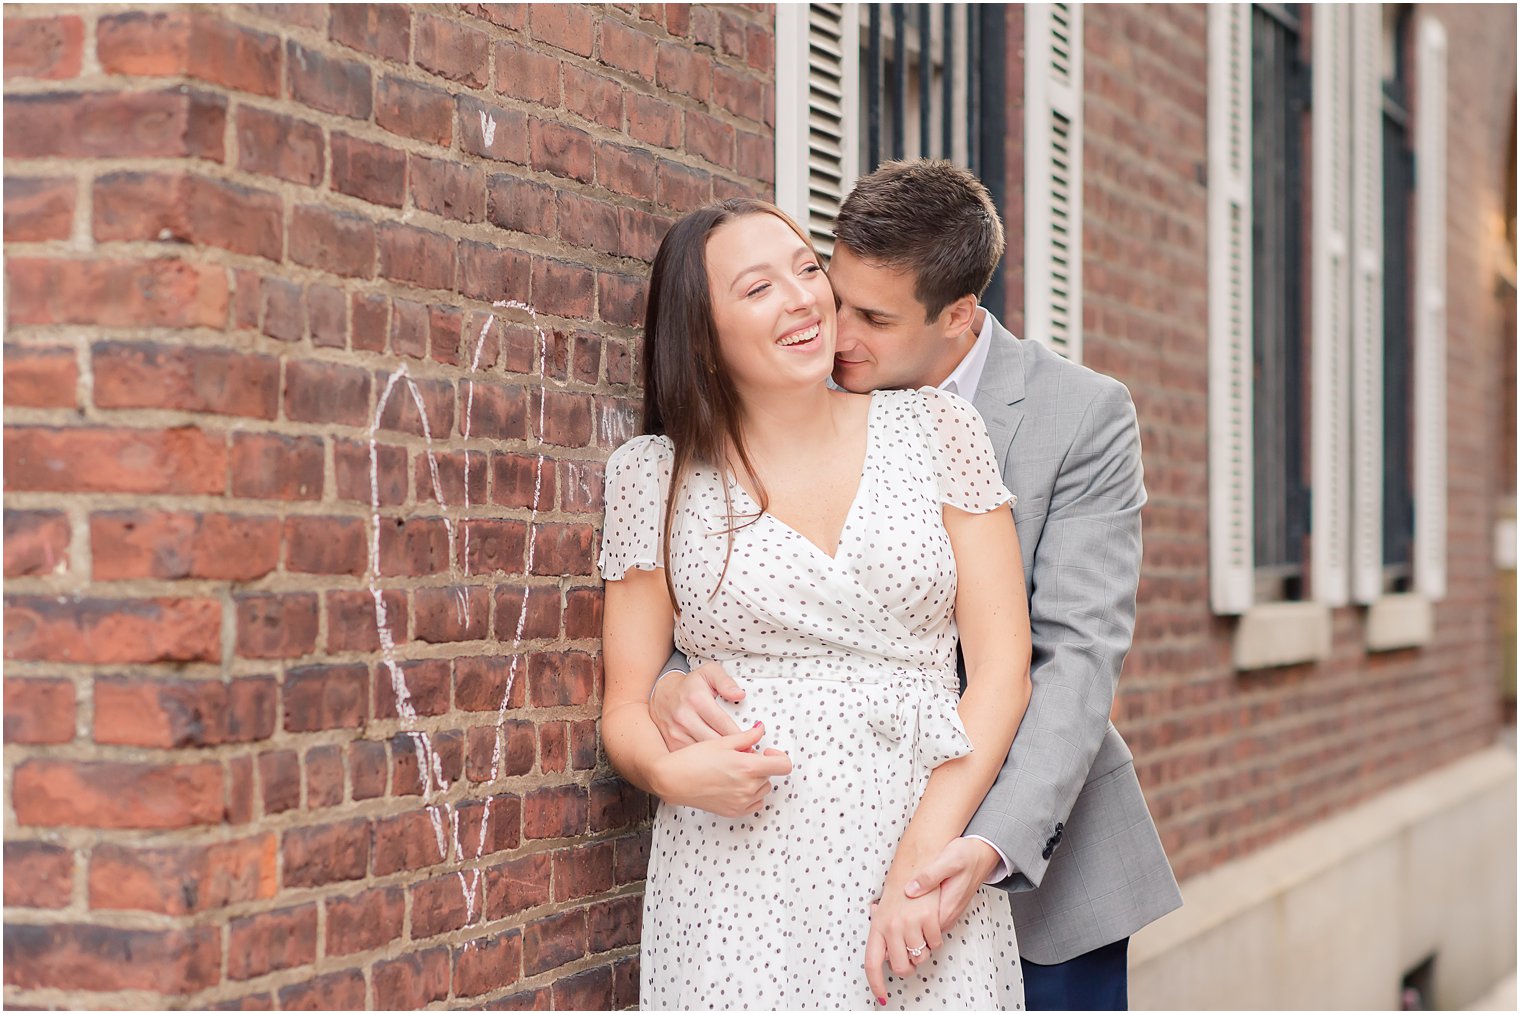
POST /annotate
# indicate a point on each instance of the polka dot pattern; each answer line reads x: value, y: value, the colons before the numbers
x: 850, y: 663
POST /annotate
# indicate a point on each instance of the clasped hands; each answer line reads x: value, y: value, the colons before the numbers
x: 712, y: 766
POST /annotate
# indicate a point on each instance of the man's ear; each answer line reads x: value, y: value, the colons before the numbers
x: 956, y: 318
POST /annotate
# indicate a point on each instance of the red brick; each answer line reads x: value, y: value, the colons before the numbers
x: 162, y: 124
x: 625, y: 983
x: 590, y: 989
x: 38, y: 875
x: 582, y: 871
x: 495, y: 411
x: 452, y: 50
x: 539, y: 998
x: 567, y: 418
x: 628, y: 171
x: 371, y: 321
x: 448, y: 189
x: 187, y: 378
x: 324, y: 776
x: 320, y: 392
x: 490, y: 272
x: 559, y: 812
x: 276, y: 625
x: 563, y: 550
x: 539, y: 614
x: 37, y: 210
x: 371, y: 172
x: 327, y: 316
x: 756, y: 154
x: 335, y: 991
x: 450, y: 488
x: 207, y: 48
x: 409, y: 337
x: 487, y: 963
x: 382, y: 30
x: 271, y: 941
x: 554, y: 941
x: 143, y: 543
x: 325, y: 854
x: 325, y: 545
x: 413, y: 548
x: 414, y: 980
x: 80, y: 956
x: 40, y: 377
x: 480, y: 682
x: 553, y: 747
x: 154, y: 293
x: 627, y: 48
x: 407, y: 842
x: 517, y: 886
x: 450, y: 614
x: 639, y: 233
x: 438, y: 904
x: 321, y: 697
x: 654, y: 120
x: 613, y: 924
x: 272, y: 144
x: 351, y: 620
x: 445, y: 324
x: 490, y: 547
x: 104, y: 631
x: 284, y: 309
x: 522, y: 205
x: 252, y: 1001
x: 414, y: 110
x: 280, y: 774
x: 561, y: 150
x: 362, y: 922
x: 710, y: 138
x: 49, y: 48
x: 416, y: 256
x: 183, y: 879
x: 137, y: 711
x: 328, y: 83
x: 620, y: 299
x: 427, y: 684
x: 400, y: 411
x: 507, y: 130
x: 681, y: 187
x: 565, y: 26
x: 527, y: 74
x: 114, y: 794
x: 367, y: 769
x: 588, y: 223
x: 513, y: 17
x: 332, y: 241
x: 740, y: 93
x: 616, y: 804
x: 268, y: 466
x: 683, y: 70
x: 499, y: 819
x: 583, y: 613
x: 516, y: 478
x: 38, y: 711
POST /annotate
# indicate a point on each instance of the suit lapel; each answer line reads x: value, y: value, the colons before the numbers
x: 1000, y: 394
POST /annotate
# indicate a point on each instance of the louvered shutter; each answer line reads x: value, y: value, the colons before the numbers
x: 1053, y: 176
x: 817, y: 87
x: 1231, y: 561
x: 1330, y: 553
x: 1367, y: 302
x: 1430, y: 310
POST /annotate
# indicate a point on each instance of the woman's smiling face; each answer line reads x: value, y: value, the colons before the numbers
x: 772, y: 305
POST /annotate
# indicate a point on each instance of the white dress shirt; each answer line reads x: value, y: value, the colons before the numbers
x: 964, y: 380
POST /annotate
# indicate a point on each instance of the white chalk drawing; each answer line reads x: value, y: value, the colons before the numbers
x: 487, y: 128
x: 444, y: 815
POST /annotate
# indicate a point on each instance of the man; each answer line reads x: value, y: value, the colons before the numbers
x: 1065, y: 828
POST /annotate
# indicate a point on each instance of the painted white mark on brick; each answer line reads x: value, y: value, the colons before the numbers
x: 487, y: 128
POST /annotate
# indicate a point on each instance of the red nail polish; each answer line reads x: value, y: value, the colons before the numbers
x: 881, y: 1000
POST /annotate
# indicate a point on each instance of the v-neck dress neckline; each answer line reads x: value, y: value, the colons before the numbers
x: 861, y: 489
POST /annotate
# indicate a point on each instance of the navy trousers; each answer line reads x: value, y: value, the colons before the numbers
x: 1097, y: 980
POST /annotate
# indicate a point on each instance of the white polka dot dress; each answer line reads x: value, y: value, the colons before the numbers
x: 850, y: 663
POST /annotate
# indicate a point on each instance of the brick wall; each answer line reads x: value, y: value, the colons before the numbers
x: 1231, y: 761
x: 260, y: 391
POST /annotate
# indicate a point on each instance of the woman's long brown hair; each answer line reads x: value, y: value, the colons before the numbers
x: 688, y: 393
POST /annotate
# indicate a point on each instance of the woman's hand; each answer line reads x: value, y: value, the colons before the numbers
x: 904, y: 932
x: 723, y: 776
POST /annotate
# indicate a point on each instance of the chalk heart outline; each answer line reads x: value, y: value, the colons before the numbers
x: 444, y: 815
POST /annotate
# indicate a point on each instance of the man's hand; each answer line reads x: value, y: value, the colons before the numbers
x: 961, y: 867
x: 685, y: 706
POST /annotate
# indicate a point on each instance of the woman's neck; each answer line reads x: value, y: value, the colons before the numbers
x: 777, y: 424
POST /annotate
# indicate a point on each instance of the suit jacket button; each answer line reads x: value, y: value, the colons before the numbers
x: 1060, y: 827
x: 1046, y: 853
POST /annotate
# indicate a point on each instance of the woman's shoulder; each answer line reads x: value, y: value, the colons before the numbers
x: 650, y: 448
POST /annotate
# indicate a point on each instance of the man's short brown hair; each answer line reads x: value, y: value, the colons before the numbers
x: 928, y: 216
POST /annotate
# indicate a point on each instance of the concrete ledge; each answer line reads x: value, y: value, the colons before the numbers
x: 1333, y: 917
x: 1399, y: 621
x: 1282, y: 633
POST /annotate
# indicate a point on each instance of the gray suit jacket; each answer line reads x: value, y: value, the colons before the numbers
x: 1067, y: 811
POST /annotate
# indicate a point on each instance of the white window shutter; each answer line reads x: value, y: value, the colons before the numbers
x: 1330, y: 552
x: 817, y: 109
x: 1231, y: 555
x: 1430, y: 313
x: 1053, y: 176
x: 1367, y: 302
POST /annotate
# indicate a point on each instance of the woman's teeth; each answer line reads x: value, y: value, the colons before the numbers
x: 808, y: 334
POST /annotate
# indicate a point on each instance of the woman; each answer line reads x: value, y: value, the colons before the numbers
x: 825, y: 547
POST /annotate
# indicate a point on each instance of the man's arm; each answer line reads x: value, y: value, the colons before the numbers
x: 1082, y: 614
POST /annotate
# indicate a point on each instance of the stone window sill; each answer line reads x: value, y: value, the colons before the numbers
x: 1282, y: 633
x: 1399, y: 621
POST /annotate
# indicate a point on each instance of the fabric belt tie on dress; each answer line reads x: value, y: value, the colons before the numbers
x: 918, y: 707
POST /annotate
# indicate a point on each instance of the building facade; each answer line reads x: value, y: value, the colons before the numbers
x: 321, y: 321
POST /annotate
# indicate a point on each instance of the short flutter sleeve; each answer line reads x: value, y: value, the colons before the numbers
x: 966, y: 464
x: 638, y: 482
